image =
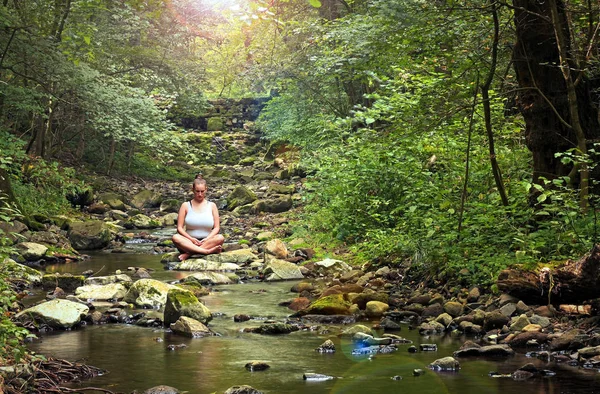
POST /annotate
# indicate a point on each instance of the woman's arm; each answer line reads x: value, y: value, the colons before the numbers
x: 217, y: 220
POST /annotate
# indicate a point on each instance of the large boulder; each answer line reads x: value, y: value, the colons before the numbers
x: 58, y: 313
x: 141, y: 221
x: 182, y: 302
x: 111, y: 291
x: 335, y: 304
x: 277, y: 248
x: 329, y: 267
x: 281, y: 270
x: 149, y: 293
x: 189, y: 327
x: 274, y: 205
x: 32, y: 251
x: 240, y: 196
x: 11, y: 230
x: 146, y: 199
x: 240, y: 256
x: 16, y: 270
x: 93, y: 234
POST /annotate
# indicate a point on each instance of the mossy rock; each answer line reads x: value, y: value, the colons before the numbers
x: 67, y: 282
x: 215, y: 123
x: 240, y: 196
x: 334, y: 304
x: 93, y: 234
x: 146, y: 199
x: 182, y: 302
x: 15, y: 270
x: 278, y: 188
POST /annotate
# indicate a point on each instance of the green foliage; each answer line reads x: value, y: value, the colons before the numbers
x: 11, y: 336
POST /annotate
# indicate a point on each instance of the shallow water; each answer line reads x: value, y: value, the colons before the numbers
x: 135, y: 360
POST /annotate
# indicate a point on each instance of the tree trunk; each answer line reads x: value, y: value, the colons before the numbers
x: 571, y: 283
x: 543, y: 97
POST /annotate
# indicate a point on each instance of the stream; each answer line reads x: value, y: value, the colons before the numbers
x: 137, y: 358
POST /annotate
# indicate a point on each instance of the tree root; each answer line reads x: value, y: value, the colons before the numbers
x: 45, y: 376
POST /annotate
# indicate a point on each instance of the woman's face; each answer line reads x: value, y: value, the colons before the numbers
x: 199, y: 191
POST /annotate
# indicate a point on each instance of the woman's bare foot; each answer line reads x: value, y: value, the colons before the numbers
x: 184, y: 256
x: 215, y: 249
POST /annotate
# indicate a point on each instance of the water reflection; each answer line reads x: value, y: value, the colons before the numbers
x: 136, y: 360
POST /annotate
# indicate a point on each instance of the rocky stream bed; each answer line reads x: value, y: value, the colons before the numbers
x: 323, y: 307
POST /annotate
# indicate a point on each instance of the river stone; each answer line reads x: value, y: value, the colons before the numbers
x: 116, y: 214
x: 370, y: 340
x: 359, y: 328
x: 478, y: 316
x: 104, y: 280
x: 209, y: 278
x: 15, y: 270
x: 444, y: 319
x: 111, y: 291
x: 194, y: 264
x: 58, y: 313
x: 190, y: 327
x: 389, y: 325
x: 92, y: 234
x: 532, y: 327
x: 366, y: 296
x: 12, y: 229
x: 445, y: 364
x: 162, y: 390
x: 494, y: 320
x: 589, y: 352
x: 265, y: 236
x: 149, y: 293
x: 326, y: 347
x: 278, y: 188
x: 32, y: 251
x: 142, y: 221
x: 329, y: 267
x: 181, y: 302
x: 431, y: 327
x: 253, y: 366
x: 241, y: 195
x: 473, y: 349
x: 274, y: 205
x: 68, y: 282
x: 244, y: 389
x: 540, y: 320
x: 146, y: 199
x: 170, y: 219
x: 453, y: 308
x: 508, y: 309
x: 568, y: 340
x: 276, y: 248
x: 334, y: 304
x: 376, y: 308
x: 281, y: 270
x: 170, y: 205
x: 520, y: 323
x: 275, y: 329
x: 240, y: 256
x: 473, y: 295
x: 434, y: 310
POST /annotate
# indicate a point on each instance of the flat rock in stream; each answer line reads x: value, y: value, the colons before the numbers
x: 276, y: 270
x: 162, y: 390
x: 149, y: 293
x: 193, y: 264
x: 58, y: 313
x: 244, y: 389
x: 111, y: 291
x: 209, y: 278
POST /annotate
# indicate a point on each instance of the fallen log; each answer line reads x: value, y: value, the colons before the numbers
x: 571, y: 282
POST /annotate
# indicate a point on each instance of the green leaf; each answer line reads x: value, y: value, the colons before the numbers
x: 315, y: 3
x: 369, y: 120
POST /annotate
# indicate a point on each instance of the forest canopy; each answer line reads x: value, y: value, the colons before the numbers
x: 455, y: 136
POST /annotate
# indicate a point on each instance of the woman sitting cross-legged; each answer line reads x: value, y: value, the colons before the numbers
x: 198, y: 225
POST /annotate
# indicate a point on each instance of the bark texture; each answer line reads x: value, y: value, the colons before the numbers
x: 571, y: 283
x: 542, y: 97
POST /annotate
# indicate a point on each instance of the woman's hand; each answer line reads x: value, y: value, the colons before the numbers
x: 196, y: 241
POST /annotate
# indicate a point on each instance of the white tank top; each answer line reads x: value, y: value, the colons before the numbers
x: 199, y: 224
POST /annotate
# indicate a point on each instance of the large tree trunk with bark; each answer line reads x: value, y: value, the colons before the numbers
x: 543, y: 95
x: 571, y: 283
